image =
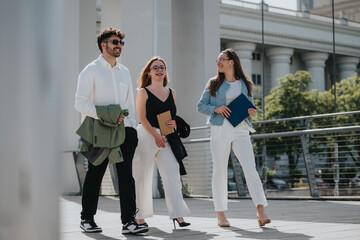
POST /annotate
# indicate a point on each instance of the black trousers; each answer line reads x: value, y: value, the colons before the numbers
x: 126, y: 182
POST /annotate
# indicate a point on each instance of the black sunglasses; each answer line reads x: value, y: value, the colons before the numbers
x: 116, y: 42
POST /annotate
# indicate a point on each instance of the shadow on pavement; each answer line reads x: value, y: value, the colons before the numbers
x: 180, y: 233
x: 155, y: 232
x: 284, y: 210
x: 99, y: 236
x: 268, y: 233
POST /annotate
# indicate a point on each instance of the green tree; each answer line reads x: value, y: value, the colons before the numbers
x: 347, y: 99
x: 291, y: 98
x: 348, y: 94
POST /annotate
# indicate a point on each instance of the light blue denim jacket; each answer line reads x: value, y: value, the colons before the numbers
x: 208, y: 103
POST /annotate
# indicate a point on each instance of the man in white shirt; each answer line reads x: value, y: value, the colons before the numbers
x: 102, y: 82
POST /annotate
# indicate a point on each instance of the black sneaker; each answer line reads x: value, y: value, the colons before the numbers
x: 143, y: 225
x: 133, y: 227
x: 89, y: 226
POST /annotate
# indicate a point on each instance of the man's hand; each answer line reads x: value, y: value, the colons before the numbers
x: 121, y: 119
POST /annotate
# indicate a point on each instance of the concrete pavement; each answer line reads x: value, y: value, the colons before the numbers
x: 291, y: 219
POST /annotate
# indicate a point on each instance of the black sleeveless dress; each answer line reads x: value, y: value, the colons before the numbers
x: 155, y: 106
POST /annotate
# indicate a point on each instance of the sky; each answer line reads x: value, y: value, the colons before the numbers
x: 288, y: 4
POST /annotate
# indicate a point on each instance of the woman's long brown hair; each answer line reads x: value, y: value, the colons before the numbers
x: 217, y: 80
x: 144, y: 80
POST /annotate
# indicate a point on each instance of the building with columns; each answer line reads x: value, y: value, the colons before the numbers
x: 293, y: 41
x: 345, y: 10
x: 190, y: 34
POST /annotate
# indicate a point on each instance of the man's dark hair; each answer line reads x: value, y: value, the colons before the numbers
x: 107, y: 33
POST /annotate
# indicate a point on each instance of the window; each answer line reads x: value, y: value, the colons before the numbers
x: 256, y: 78
x: 253, y: 78
x: 256, y: 56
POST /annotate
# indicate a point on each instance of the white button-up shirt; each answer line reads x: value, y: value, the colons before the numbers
x: 100, y: 84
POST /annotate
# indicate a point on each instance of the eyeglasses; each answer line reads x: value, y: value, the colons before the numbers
x: 222, y: 59
x: 156, y: 68
x: 116, y: 42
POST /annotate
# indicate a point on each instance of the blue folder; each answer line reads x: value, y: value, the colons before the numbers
x: 239, y: 109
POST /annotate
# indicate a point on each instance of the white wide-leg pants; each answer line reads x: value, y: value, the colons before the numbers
x: 143, y: 165
x: 223, y: 138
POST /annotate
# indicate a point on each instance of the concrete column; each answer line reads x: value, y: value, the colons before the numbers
x: 244, y: 51
x: 111, y: 13
x: 88, y: 49
x: 139, y: 31
x: 81, y: 43
x: 315, y: 64
x: 111, y: 16
x: 31, y: 92
x: 347, y: 66
x: 196, y: 45
x: 279, y: 59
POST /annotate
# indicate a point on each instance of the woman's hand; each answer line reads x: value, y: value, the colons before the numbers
x: 159, y: 140
x: 223, y: 110
x: 252, y: 111
x: 171, y: 124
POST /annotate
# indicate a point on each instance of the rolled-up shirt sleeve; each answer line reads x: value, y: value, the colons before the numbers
x: 130, y: 120
x: 85, y: 88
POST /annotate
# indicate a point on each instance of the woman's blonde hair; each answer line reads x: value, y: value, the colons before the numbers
x: 145, y: 79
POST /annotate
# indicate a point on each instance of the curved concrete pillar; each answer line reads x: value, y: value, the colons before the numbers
x: 315, y: 64
x: 279, y: 63
x: 34, y: 80
x: 244, y: 50
x: 347, y: 66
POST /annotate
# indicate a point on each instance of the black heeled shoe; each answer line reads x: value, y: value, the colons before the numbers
x: 181, y: 224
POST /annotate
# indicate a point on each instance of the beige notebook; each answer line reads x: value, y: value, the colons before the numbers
x: 162, y: 119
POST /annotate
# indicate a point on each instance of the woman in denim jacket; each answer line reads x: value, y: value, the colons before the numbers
x: 229, y: 83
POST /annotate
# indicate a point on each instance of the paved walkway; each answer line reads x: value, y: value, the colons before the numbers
x: 291, y: 219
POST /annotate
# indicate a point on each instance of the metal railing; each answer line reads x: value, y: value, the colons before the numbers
x: 324, y: 156
x: 316, y: 154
